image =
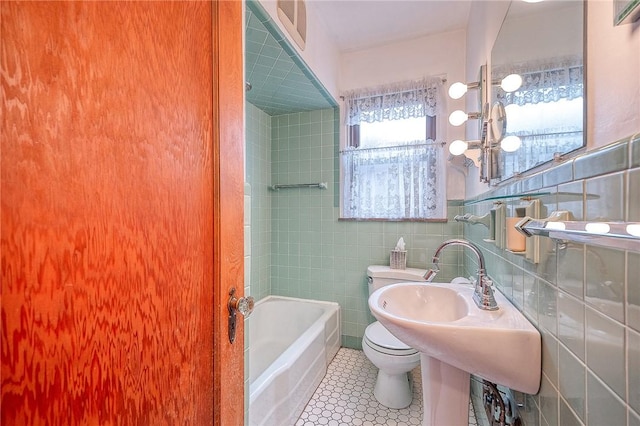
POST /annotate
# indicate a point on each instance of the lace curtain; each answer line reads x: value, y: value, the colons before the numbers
x: 393, y: 183
x: 537, y: 149
x: 406, y: 179
x: 545, y: 112
x: 393, y: 102
x: 543, y: 81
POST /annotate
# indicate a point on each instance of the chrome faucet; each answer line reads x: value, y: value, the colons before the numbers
x: 483, y: 294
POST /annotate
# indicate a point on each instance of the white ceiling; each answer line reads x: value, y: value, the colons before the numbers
x: 359, y: 24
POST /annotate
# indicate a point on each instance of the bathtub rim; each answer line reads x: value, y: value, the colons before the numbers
x: 288, y: 356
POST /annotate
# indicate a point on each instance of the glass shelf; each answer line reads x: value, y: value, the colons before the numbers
x: 510, y: 197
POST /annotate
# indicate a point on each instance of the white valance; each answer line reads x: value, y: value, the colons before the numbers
x: 543, y: 81
x: 393, y: 102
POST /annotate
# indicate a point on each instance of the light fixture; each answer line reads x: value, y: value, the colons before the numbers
x: 458, y: 89
x: 633, y: 229
x: 458, y: 117
x: 597, y: 228
x: 510, y: 143
x: 559, y: 227
x: 458, y: 147
x: 511, y: 83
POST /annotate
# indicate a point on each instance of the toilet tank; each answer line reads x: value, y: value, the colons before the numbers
x: 381, y: 275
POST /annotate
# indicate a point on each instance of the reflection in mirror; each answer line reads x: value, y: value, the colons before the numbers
x: 498, y: 122
x: 543, y: 44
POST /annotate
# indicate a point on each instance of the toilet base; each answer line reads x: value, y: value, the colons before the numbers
x: 394, y: 390
x: 394, y: 387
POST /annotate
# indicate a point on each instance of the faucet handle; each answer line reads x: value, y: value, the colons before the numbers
x: 474, y: 282
x: 483, y: 296
x: 486, y: 288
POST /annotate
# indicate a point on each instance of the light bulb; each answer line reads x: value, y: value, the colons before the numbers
x: 597, y: 228
x: 458, y: 117
x: 510, y: 143
x: 511, y: 83
x: 458, y: 147
x: 457, y: 90
x: 634, y: 229
x: 556, y: 226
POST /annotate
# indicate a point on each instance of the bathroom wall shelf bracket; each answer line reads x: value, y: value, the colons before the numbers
x: 532, y: 245
x: 617, y: 235
x: 499, y: 219
x: 474, y: 220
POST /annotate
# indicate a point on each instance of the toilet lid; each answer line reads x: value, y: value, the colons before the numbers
x: 381, y: 337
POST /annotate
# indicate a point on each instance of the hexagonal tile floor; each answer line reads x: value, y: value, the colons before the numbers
x: 345, y: 397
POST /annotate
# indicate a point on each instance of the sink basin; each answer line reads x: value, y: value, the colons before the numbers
x: 424, y: 303
x: 442, y: 322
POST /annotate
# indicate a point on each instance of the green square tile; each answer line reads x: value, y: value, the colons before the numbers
x: 572, y: 381
x: 605, y: 198
x: 558, y: 174
x: 571, y: 199
x: 603, y: 407
x: 608, y: 159
x: 633, y: 196
x: 635, y: 151
x: 606, y: 360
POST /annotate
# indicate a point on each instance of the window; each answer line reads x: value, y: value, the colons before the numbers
x: 392, y: 165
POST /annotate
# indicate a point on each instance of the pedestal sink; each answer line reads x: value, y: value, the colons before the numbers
x: 456, y: 339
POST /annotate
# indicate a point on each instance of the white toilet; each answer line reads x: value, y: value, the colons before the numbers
x: 393, y: 358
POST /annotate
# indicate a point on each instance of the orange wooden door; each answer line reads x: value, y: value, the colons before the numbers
x: 115, y: 251
x: 229, y: 212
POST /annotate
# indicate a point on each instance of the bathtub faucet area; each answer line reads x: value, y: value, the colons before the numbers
x: 483, y: 295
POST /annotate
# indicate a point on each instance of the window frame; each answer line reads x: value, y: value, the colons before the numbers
x: 350, y: 139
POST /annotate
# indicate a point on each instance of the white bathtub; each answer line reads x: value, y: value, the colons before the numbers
x: 291, y: 342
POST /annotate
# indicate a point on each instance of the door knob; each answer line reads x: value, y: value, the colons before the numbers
x: 243, y: 305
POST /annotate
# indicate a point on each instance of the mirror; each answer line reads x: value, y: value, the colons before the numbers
x: 498, y: 122
x: 542, y: 43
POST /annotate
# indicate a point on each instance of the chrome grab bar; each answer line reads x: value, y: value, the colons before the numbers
x: 320, y: 185
x: 618, y: 235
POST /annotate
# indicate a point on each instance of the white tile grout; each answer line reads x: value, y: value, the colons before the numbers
x: 345, y: 397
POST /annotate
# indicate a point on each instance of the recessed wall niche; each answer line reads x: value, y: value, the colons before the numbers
x: 293, y: 15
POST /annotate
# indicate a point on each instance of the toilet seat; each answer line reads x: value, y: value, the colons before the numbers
x: 381, y: 340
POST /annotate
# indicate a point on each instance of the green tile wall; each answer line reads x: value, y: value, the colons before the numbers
x: 574, y: 296
x: 312, y: 254
x: 584, y: 299
x: 281, y: 82
x: 258, y: 175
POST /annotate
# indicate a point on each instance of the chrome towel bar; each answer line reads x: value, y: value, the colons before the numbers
x: 321, y: 185
x: 618, y: 235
